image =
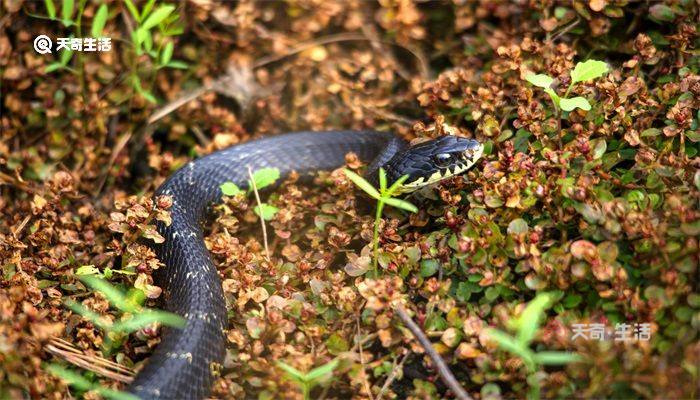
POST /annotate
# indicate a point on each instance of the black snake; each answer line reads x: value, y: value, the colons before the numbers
x: 186, y: 362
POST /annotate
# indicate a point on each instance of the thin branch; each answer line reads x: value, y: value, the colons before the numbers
x: 65, y: 350
x: 368, y: 389
x: 262, y: 220
x: 392, y: 375
x: 445, y: 374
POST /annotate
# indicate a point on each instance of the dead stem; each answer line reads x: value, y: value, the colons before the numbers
x: 445, y: 374
x: 392, y: 375
x: 262, y: 220
x: 109, y: 369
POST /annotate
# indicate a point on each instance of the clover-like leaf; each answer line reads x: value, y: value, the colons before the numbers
x: 268, y: 212
x: 540, y: 80
x: 230, y: 189
x: 585, y: 71
x: 265, y: 177
x: 574, y: 103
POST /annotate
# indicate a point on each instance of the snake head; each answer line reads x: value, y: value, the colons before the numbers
x: 433, y: 161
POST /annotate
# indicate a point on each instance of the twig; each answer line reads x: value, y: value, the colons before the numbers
x: 203, y: 140
x: 118, y: 147
x: 445, y: 374
x: 99, y: 365
x: 362, y: 359
x: 566, y: 29
x: 262, y: 220
x: 341, y: 37
x: 392, y: 375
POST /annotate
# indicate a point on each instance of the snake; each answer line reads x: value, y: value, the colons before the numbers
x: 187, y: 360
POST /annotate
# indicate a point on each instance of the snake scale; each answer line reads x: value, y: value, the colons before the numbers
x: 185, y: 363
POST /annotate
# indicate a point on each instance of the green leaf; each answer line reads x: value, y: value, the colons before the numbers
x: 230, y: 189
x: 157, y: 16
x: 147, y: 8
x: 662, y: 12
x: 177, y: 64
x: 265, y: 177
x: 402, y: 204
x: 113, y: 295
x: 553, y: 95
x: 87, y: 270
x: 322, y: 373
x: 540, y: 80
x: 148, y: 96
x: 167, y: 53
x: 50, y: 8
x: 429, y: 267
x: 362, y: 184
x: 292, y: 372
x: 67, y: 11
x: 145, y: 318
x: 336, y: 344
x: 98, y: 23
x: 88, y: 314
x: 382, y: 180
x: 140, y: 36
x: 66, y: 55
x: 53, y: 67
x: 133, y: 10
x: 82, y: 384
x: 529, y: 321
x: 573, y: 103
x: 73, y: 379
x: 396, y: 185
x: 599, y: 147
x: 508, y: 343
x: 556, y: 358
x: 651, y: 132
x: 517, y: 226
x: 585, y: 71
x: 268, y: 211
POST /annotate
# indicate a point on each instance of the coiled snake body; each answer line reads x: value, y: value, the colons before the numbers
x: 186, y: 361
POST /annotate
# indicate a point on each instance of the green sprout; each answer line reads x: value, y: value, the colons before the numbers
x: 584, y: 71
x: 133, y: 318
x: 383, y: 196
x: 307, y: 381
x: 525, y: 328
x: 262, y: 178
x: 82, y: 384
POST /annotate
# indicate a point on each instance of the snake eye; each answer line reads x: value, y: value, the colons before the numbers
x: 443, y: 160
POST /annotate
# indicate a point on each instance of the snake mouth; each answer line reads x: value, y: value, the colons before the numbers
x: 473, y: 155
x: 446, y: 161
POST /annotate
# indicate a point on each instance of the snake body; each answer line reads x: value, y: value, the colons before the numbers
x: 185, y: 363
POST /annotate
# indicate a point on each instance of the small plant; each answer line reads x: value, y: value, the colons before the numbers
x: 82, y: 384
x: 262, y: 178
x: 383, y: 196
x: 584, y: 71
x: 309, y: 380
x: 143, y: 42
x: 526, y: 327
x: 134, y: 316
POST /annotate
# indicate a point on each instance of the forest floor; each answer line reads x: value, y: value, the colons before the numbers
x: 581, y: 219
